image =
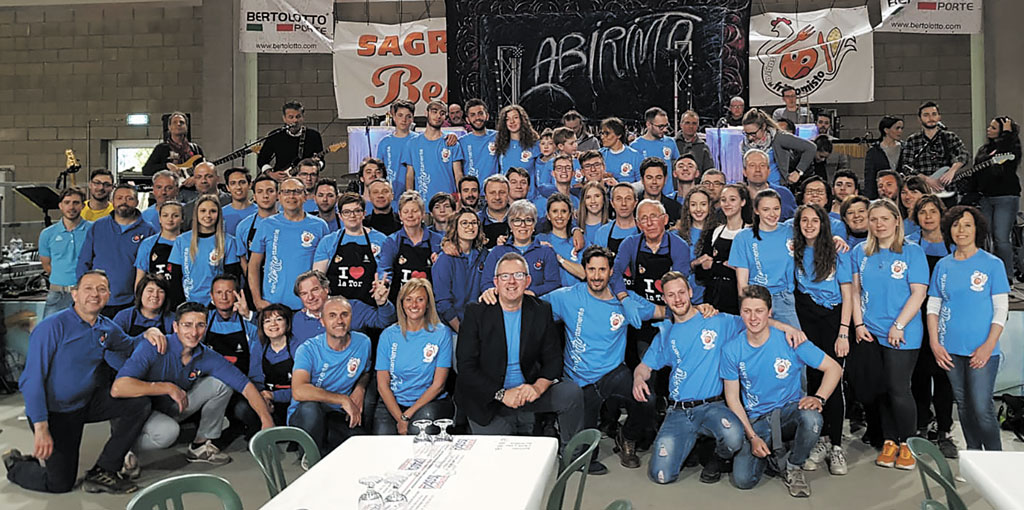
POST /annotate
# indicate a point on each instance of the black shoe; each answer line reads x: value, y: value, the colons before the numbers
x: 627, y: 452
x: 712, y: 471
x: 947, y: 446
x: 692, y: 460
x: 597, y: 469
x: 98, y: 479
x: 12, y: 457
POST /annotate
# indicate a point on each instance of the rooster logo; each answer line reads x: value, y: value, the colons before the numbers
x: 805, y: 60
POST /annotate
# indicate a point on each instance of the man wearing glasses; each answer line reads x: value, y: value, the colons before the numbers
x: 101, y: 182
x: 287, y: 242
x: 592, y: 169
x: 432, y: 166
x: 349, y: 257
x: 792, y: 112
x: 654, y: 143
x: 689, y: 141
x: 714, y: 181
x: 509, y: 362
x: 541, y: 259
x: 308, y: 171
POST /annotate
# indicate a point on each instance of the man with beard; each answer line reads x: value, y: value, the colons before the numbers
x: 59, y: 247
x: 287, y: 147
x: 100, y: 183
x: 325, y: 192
x: 654, y: 143
x: 469, y: 193
x: 478, y: 144
x: 933, y: 148
x: 308, y: 171
x: 431, y: 165
x: 112, y: 245
x: 176, y: 147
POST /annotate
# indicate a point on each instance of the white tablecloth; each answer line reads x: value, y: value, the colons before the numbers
x: 996, y: 475
x: 492, y: 472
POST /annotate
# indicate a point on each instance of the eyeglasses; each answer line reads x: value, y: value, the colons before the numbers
x: 751, y: 134
x: 521, y: 222
x: 660, y: 126
x: 292, y: 192
x: 714, y: 184
x: 102, y: 183
x: 307, y: 174
x: 818, y: 192
x: 593, y: 166
x: 351, y: 212
x: 649, y: 219
x: 468, y: 223
x: 517, y: 276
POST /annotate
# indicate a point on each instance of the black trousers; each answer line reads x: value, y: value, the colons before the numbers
x: 126, y: 416
x: 616, y: 389
x: 821, y: 325
x: 930, y: 386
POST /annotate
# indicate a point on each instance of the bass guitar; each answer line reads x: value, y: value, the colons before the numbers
x: 963, y: 173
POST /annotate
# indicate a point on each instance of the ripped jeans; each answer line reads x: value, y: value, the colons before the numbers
x: 679, y: 432
x: 802, y: 426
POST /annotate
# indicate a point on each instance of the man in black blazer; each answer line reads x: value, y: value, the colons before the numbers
x: 510, y: 360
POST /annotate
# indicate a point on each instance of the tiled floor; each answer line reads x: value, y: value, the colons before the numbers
x: 865, y: 487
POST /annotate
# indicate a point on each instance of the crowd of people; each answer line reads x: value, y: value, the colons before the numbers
x: 526, y: 282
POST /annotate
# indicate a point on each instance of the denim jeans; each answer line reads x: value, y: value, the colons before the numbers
x: 679, y: 432
x: 1001, y: 213
x: 327, y: 426
x: 784, y: 309
x: 972, y: 390
x: 384, y: 424
x: 56, y: 301
x: 802, y: 426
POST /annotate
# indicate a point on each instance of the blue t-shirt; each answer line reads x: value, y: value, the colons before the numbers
x: 63, y: 248
x: 152, y: 216
x: 885, y: 280
x: 664, y: 148
x: 197, y: 274
x: 390, y: 150
x: 481, y: 158
x: 595, y: 330
x: 563, y: 247
x: 432, y: 165
x: 147, y: 364
x: 513, y: 370
x: 769, y: 260
x: 410, y: 360
x: 930, y: 249
x: 692, y: 349
x: 769, y: 375
x: 288, y: 248
x: 242, y: 232
x: 590, y: 237
x: 966, y: 288
x: 517, y: 156
x: 910, y: 227
x: 623, y: 165
x: 233, y: 216
x: 826, y: 292
x: 331, y: 370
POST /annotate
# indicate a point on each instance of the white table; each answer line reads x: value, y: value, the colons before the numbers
x: 996, y: 475
x: 492, y: 472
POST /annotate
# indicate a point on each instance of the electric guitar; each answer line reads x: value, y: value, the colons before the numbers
x: 997, y: 159
x: 190, y: 163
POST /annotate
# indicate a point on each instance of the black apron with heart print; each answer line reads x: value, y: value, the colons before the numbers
x: 412, y: 262
x: 351, y: 271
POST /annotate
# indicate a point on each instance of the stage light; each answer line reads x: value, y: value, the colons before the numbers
x: 138, y: 119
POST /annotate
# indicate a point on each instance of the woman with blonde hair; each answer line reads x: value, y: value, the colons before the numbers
x: 890, y: 283
x: 412, y: 250
x: 593, y: 210
x: 205, y: 251
x: 413, y: 360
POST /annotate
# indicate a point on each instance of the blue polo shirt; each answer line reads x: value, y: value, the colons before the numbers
x: 410, y: 359
x: 625, y: 258
x: 64, y: 353
x: 112, y: 247
x: 288, y: 247
x: 769, y: 375
x: 63, y: 246
x: 330, y: 370
x: 692, y: 349
x: 146, y: 364
x: 481, y: 158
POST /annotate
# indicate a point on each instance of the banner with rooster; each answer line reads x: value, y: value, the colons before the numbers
x: 826, y: 55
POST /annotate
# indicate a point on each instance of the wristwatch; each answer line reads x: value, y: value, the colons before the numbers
x: 899, y: 325
x: 499, y: 395
x: 406, y: 418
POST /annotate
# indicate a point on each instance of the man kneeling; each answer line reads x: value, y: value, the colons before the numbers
x: 179, y: 390
x: 766, y: 370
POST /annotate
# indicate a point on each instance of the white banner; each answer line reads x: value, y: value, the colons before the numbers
x: 376, y: 64
x: 286, y: 26
x: 921, y: 17
x: 826, y: 54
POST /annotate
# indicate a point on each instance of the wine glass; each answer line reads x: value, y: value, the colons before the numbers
x: 395, y: 500
x: 371, y: 499
x: 443, y: 424
x: 422, y: 437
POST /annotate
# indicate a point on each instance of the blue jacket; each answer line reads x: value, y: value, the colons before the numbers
x: 305, y: 326
x: 389, y: 251
x: 257, y: 351
x: 626, y: 257
x: 113, y: 248
x: 542, y: 261
x: 457, y: 282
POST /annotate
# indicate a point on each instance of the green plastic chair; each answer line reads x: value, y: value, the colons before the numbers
x: 584, y: 439
x: 620, y: 504
x: 263, y: 447
x: 931, y: 504
x: 158, y: 495
x: 926, y: 454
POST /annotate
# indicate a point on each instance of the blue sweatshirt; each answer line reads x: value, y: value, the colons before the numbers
x: 626, y: 257
x: 64, y: 353
x: 259, y: 351
x: 389, y: 250
x: 457, y: 282
x: 112, y: 248
x: 146, y: 364
x: 543, y: 262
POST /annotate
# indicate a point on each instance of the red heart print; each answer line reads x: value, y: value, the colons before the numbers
x: 419, y: 274
x: 657, y: 285
x: 356, y: 272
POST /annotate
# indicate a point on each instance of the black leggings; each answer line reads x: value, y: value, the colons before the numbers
x: 898, y: 411
x: 930, y: 386
x: 821, y: 325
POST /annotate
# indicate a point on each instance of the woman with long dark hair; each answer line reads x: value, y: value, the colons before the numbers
x: 696, y: 211
x: 457, y: 278
x: 914, y: 187
x: 717, y: 276
x: 516, y: 141
x: 967, y: 310
x: 824, y: 306
x: 886, y: 154
x: 999, y: 186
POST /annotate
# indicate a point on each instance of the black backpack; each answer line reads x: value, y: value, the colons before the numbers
x: 1011, y: 414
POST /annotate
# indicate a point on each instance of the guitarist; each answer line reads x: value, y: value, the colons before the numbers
x: 934, y: 147
x: 999, y: 186
x: 176, y: 147
x: 288, y: 147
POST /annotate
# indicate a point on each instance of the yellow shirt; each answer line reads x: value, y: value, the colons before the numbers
x: 93, y: 214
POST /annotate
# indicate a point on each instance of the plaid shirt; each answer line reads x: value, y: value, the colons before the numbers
x: 925, y: 156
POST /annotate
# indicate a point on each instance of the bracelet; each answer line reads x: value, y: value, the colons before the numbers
x: 820, y: 398
x: 855, y: 326
x: 844, y: 325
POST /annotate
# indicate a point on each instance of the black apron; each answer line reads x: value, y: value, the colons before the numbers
x: 412, y: 262
x: 648, y: 268
x: 233, y: 346
x: 351, y: 271
x: 495, y: 230
x: 136, y: 329
x: 278, y: 376
x: 613, y: 244
x: 159, y: 265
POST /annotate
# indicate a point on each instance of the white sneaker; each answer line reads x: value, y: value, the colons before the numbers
x: 304, y: 463
x: 207, y: 452
x: 818, y: 455
x: 837, y: 461
x: 131, y: 470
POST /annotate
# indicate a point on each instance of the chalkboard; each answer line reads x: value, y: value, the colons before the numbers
x: 600, y: 58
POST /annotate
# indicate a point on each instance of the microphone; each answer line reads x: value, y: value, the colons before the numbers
x: 940, y: 125
x: 723, y: 122
x: 278, y: 130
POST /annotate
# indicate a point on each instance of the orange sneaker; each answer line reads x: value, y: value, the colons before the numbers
x: 905, y: 460
x: 888, y: 456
